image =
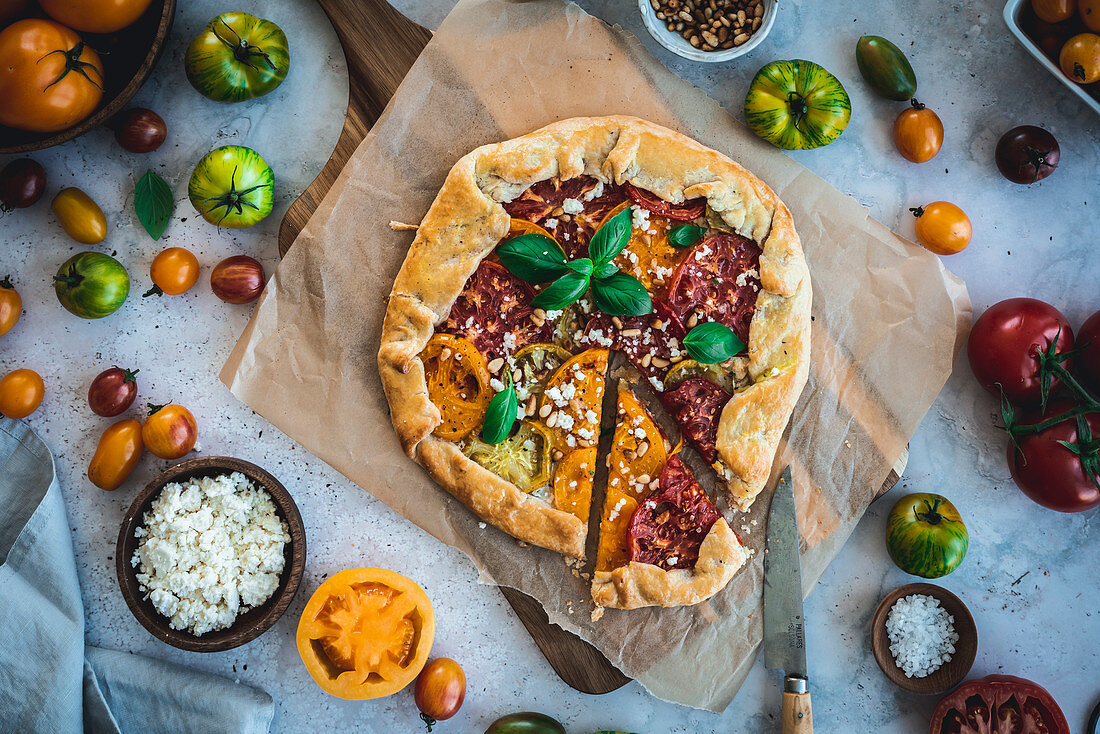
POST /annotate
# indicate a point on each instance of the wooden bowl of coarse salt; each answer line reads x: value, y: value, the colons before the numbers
x: 927, y: 622
x: 231, y: 515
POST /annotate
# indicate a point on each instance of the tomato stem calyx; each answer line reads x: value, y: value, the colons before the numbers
x: 918, y: 211
x: 6, y: 283
x: 72, y: 279
x: 153, y: 407
x: 128, y: 375
x: 798, y: 106
x: 73, y: 63
x: 916, y: 105
x: 932, y: 515
x: 428, y: 721
x: 242, y: 50
x: 154, y: 291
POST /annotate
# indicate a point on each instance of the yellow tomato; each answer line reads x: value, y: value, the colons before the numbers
x: 942, y: 227
x: 117, y: 454
x: 81, y: 217
x: 1090, y: 14
x: 918, y: 133
x: 11, y: 306
x: 1080, y: 58
x: 20, y: 393
x: 170, y: 431
x: 1054, y: 11
x: 173, y: 271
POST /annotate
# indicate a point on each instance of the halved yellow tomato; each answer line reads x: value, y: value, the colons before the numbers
x: 522, y: 459
x: 535, y: 364
x: 570, y: 405
x: 458, y: 384
x: 689, y: 369
x: 649, y: 256
x: 573, y: 482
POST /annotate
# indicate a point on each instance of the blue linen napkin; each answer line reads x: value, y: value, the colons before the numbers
x: 50, y: 681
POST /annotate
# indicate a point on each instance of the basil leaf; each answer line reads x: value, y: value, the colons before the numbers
x: 685, y: 235
x: 611, y: 238
x: 582, y: 265
x: 604, y: 270
x: 500, y: 416
x: 153, y: 204
x: 561, y: 292
x: 712, y: 342
x: 621, y: 294
x: 533, y: 257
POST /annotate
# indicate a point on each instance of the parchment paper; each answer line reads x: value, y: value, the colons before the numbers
x: 888, y: 322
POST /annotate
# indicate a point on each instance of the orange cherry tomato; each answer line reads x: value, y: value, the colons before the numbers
x: 1054, y: 11
x: 49, y: 79
x: 366, y: 633
x: 918, y: 133
x: 1089, y: 10
x: 440, y: 690
x: 117, y: 454
x: 95, y: 16
x: 942, y: 227
x: 173, y: 271
x: 20, y: 393
x: 11, y: 306
x: 170, y: 431
x: 1080, y: 58
x: 79, y: 215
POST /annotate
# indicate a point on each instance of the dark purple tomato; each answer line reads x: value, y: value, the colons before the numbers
x: 1027, y: 154
x: 21, y: 184
x: 1088, y: 359
x: 139, y: 130
x: 112, y: 391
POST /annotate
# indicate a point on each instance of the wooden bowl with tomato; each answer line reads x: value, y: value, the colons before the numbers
x: 74, y: 105
x: 248, y: 625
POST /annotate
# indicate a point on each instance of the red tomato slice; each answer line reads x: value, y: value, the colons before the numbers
x: 689, y: 211
x: 572, y: 231
x: 495, y: 303
x: 638, y: 337
x: 719, y: 281
x: 998, y: 704
x: 697, y: 404
x: 669, y: 526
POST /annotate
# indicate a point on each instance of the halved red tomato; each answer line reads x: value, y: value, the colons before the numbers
x: 719, y: 281
x: 696, y: 405
x: 998, y: 704
x: 545, y: 203
x: 688, y: 211
x: 669, y: 525
x: 494, y: 312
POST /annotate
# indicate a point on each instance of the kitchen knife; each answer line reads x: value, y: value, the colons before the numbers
x: 784, y: 625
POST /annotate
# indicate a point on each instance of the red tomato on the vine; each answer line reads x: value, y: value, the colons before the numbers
x: 1053, y: 474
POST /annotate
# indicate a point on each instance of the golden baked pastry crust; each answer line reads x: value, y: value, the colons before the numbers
x: 466, y: 221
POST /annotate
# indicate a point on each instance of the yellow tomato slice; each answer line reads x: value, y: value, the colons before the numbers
x: 573, y: 482
x: 649, y: 256
x: 689, y: 369
x: 458, y: 384
x: 536, y: 363
x: 570, y: 405
x: 522, y: 459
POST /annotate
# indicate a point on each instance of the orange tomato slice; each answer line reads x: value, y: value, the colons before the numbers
x: 573, y: 482
x: 458, y: 384
x: 522, y: 226
x: 570, y: 404
x: 366, y: 633
x: 649, y: 256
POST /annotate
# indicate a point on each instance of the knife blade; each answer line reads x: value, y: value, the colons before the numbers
x: 784, y: 622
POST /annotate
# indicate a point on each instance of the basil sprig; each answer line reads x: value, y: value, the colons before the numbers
x: 685, y: 235
x: 712, y: 342
x: 500, y: 416
x: 536, y: 258
x: 153, y: 203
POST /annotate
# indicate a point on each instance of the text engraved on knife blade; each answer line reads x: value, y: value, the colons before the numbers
x: 796, y: 635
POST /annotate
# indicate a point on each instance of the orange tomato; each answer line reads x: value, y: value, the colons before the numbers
x: 366, y: 633
x: 80, y: 216
x: 20, y: 393
x: 170, y: 431
x: 458, y: 384
x: 1054, y: 11
x: 573, y: 482
x: 648, y: 252
x: 918, y: 133
x: 440, y: 690
x: 49, y: 79
x: 173, y: 271
x: 585, y: 372
x: 116, y: 455
x: 942, y: 227
x: 95, y: 16
x: 11, y: 305
x: 1080, y: 58
x: 1089, y: 11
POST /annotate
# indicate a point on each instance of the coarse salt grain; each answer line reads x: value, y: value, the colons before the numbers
x: 922, y: 635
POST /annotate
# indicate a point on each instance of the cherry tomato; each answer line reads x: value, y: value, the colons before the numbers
x: 21, y: 184
x: 1088, y: 358
x: 440, y: 690
x: 1089, y: 10
x: 1048, y: 471
x: 237, y: 279
x: 139, y: 130
x: 49, y: 78
x: 95, y: 16
x: 80, y: 216
x: 173, y: 271
x: 1054, y: 11
x: 116, y: 455
x: 1027, y: 154
x: 20, y: 393
x: 11, y: 306
x: 1080, y: 58
x: 170, y: 431
x: 112, y: 391
x: 918, y: 133
x: 1005, y: 343
x: 942, y: 227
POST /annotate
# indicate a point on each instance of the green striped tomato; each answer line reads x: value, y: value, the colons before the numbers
x: 797, y: 105
x: 926, y: 536
x: 232, y: 186
x: 237, y: 56
x: 92, y: 285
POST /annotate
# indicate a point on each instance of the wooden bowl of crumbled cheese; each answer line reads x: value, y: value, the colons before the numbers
x: 924, y: 638
x: 211, y: 553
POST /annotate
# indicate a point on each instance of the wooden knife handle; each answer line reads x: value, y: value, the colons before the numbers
x: 796, y: 717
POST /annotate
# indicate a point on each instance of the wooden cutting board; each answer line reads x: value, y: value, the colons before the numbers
x: 381, y: 45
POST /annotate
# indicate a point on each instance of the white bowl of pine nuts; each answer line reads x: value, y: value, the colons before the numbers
x: 709, y: 30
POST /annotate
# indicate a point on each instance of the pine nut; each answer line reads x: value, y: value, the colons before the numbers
x: 529, y: 409
x: 708, y: 24
x: 557, y: 455
x: 617, y: 322
x: 740, y: 38
x: 643, y: 479
x: 552, y: 420
x: 692, y: 321
x: 647, y: 359
x: 643, y: 447
x: 660, y: 363
x: 544, y: 411
x: 632, y: 332
x: 496, y: 364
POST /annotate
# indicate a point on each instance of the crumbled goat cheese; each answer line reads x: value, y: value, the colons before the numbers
x: 565, y: 421
x: 496, y: 384
x: 509, y: 340
x: 586, y: 433
x: 672, y: 560
x: 743, y: 278
x: 594, y: 193
x: 568, y: 390
x: 551, y: 315
x: 590, y: 416
x: 639, y: 217
x: 209, y: 549
x: 572, y: 206
x: 922, y: 635
x: 550, y: 223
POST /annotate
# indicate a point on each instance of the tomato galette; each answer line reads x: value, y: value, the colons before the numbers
x: 547, y: 258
